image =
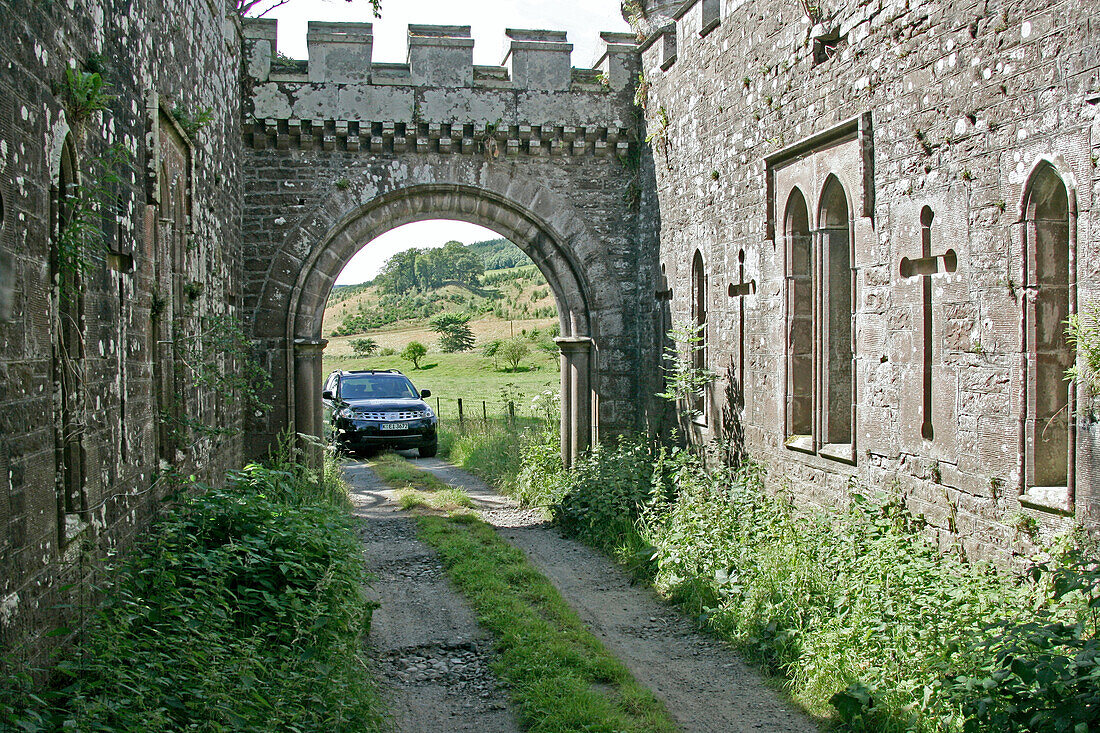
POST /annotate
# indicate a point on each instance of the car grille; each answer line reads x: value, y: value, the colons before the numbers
x: 390, y: 416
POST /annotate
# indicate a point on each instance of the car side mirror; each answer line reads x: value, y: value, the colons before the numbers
x: 328, y: 395
x: 425, y: 394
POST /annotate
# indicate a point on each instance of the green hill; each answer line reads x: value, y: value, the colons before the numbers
x: 517, y: 292
x: 499, y: 254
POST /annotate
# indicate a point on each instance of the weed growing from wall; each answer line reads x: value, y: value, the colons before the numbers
x: 85, y: 93
x: 82, y: 241
x: 191, y: 122
x: 1083, y: 334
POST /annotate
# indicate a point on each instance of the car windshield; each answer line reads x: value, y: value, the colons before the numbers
x: 375, y: 387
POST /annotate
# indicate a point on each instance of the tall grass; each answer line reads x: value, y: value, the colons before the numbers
x: 242, y: 609
x: 861, y: 616
x: 492, y: 449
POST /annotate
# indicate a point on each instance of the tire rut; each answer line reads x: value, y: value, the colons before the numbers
x: 431, y: 656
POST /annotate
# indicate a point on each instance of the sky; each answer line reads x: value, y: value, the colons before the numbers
x: 432, y: 233
x: 582, y: 20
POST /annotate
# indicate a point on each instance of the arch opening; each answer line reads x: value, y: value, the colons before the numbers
x: 297, y: 310
x: 461, y: 311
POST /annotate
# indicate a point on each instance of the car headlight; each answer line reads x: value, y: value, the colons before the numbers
x: 345, y: 412
x: 428, y: 412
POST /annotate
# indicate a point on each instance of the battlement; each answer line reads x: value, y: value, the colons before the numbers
x: 439, y: 56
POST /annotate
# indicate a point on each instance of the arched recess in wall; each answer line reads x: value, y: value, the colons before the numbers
x: 1050, y: 234
x: 835, y: 406
x: 699, y: 321
x: 550, y: 249
x: 67, y: 264
x: 799, y: 297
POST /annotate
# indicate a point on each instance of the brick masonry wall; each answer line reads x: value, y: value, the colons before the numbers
x: 960, y: 100
x: 188, y: 53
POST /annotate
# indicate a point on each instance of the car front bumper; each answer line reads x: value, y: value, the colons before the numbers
x: 371, y: 434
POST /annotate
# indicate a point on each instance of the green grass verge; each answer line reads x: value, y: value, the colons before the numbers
x: 491, y: 450
x: 451, y: 500
x: 559, y: 676
x: 400, y: 474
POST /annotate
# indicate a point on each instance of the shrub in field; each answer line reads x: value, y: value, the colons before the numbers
x: 363, y: 347
x: 513, y: 351
x: 414, y: 351
x: 454, y: 332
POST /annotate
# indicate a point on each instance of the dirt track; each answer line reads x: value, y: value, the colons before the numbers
x: 704, y: 685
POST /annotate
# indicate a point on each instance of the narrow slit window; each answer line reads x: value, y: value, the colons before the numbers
x: 1048, y: 233
x: 799, y: 275
x: 699, y: 321
x: 835, y: 327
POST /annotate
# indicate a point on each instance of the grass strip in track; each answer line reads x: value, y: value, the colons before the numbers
x: 558, y: 674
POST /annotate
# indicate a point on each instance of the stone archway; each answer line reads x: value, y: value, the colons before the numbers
x: 340, y: 149
x: 544, y: 227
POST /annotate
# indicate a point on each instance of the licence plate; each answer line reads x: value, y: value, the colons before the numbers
x: 394, y: 426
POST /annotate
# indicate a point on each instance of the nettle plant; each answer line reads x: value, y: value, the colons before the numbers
x: 221, y: 359
x: 684, y: 379
x: 86, y: 93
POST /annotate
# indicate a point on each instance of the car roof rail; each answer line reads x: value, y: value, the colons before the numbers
x: 373, y: 371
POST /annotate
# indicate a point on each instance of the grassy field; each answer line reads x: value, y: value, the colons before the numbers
x: 469, y: 376
x: 399, y: 334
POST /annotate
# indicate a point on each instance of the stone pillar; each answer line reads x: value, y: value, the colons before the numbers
x: 576, y: 397
x: 307, y: 392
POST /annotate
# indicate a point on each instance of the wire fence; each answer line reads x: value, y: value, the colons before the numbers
x: 465, y: 412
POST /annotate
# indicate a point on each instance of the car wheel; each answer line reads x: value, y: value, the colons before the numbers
x: 428, y: 451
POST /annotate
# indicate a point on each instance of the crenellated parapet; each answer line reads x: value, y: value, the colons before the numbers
x: 439, y: 55
x: 534, y: 103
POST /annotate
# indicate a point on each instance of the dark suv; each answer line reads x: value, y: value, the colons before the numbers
x: 374, y: 409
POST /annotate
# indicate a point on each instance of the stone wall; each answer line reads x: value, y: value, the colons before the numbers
x: 341, y: 149
x: 943, y: 110
x: 82, y: 456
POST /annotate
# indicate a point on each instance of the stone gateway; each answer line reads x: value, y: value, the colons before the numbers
x: 878, y: 216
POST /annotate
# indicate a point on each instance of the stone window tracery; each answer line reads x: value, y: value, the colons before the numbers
x: 819, y: 404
